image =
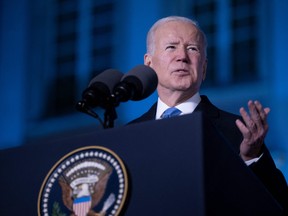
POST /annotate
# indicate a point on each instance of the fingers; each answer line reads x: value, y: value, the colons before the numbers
x: 255, y: 114
x: 257, y: 120
x: 262, y: 112
x: 248, y: 120
x: 244, y: 130
x: 254, y: 128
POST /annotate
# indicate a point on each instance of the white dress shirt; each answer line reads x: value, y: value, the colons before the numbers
x: 185, y: 107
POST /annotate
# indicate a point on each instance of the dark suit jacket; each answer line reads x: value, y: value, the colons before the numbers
x: 264, y: 168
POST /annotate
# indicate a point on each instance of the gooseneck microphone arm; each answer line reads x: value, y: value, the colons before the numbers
x: 110, y: 116
x: 80, y: 106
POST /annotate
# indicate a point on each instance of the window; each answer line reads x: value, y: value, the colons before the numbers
x: 204, y: 12
x: 102, y: 36
x: 231, y: 30
x: 70, y: 38
x: 244, y: 40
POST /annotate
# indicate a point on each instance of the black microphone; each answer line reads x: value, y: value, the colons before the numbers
x: 137, y: 84
x: 99, y: 90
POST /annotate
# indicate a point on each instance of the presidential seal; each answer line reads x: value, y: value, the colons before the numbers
x: 88, y: 181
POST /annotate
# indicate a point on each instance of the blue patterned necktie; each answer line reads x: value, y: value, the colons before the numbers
x: 170, y: 112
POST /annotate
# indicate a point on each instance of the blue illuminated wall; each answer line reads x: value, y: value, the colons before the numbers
x: 14, y: 27
x: 21, y: 86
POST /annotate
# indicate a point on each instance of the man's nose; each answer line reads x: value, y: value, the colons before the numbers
x: 182, y: 55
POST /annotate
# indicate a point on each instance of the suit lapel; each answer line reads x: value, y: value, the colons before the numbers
x: 207, y: 107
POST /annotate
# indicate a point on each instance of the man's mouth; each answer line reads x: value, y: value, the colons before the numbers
x: 181, y: 71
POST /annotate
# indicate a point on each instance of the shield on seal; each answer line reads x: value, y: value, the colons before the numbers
x: 82, y: 205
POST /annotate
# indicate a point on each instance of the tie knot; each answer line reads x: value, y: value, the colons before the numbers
x: 170, y: 112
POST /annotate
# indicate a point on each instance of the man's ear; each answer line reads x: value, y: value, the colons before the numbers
x: 147, y: 59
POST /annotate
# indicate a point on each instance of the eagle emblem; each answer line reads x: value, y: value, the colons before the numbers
x: 83, y: 186
x: 90, y: 181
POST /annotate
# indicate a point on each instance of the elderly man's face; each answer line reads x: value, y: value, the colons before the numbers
x: 178, y: 58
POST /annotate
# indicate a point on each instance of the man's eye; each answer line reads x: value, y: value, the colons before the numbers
x: 193, y: 48
x: 170, y: 47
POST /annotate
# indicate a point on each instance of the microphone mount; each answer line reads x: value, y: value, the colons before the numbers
x: 110, y: 114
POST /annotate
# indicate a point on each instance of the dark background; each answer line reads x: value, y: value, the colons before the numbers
x: 51, y: 49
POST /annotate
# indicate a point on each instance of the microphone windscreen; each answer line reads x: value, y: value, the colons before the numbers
x: 143, y: 79
x: 100, y: 88
x: 109, y: 78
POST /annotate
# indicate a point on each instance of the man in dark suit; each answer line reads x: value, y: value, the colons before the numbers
x: 176, y: 50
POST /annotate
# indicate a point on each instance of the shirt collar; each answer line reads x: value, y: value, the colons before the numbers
x: 186, y: 107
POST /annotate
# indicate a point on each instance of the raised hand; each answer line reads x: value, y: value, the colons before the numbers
x: 254, y: 129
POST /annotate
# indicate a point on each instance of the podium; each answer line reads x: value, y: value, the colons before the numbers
x: 177, y: 166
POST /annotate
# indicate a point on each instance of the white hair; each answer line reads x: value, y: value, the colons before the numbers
x: 150, y: 43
